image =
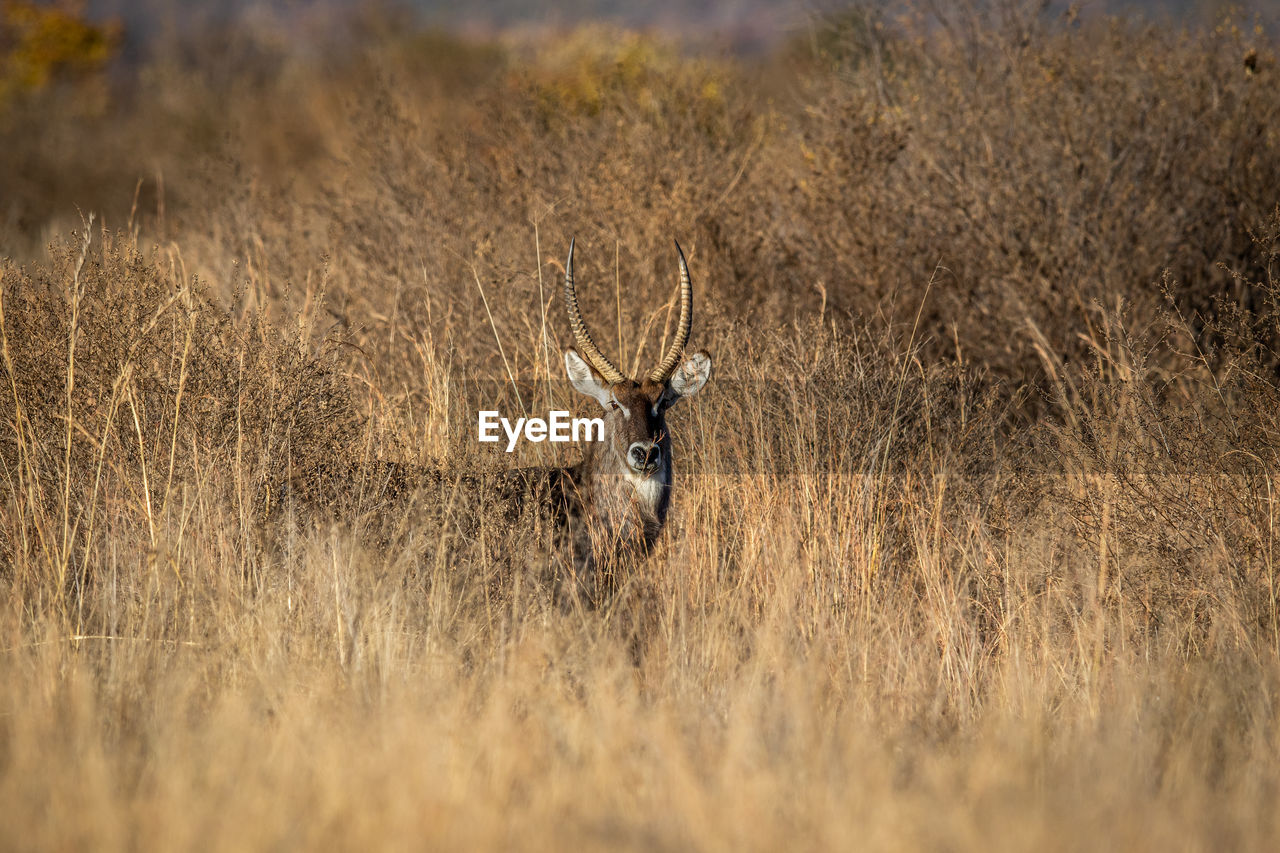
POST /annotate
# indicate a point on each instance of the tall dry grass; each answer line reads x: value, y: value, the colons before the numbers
x: 974, y: 528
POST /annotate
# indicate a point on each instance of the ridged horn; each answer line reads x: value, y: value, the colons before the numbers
x: 663, y: 371
x: 581, y: 336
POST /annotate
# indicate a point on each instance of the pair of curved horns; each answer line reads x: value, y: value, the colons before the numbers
x: 582, y: 337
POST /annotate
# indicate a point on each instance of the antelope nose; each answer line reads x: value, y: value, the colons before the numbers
x: 644, y: 456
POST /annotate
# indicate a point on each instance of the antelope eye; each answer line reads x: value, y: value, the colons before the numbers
x: 613, y: 404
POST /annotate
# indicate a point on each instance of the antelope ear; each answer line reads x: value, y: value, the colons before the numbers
x: 584, y: 379
x: 689, y: 377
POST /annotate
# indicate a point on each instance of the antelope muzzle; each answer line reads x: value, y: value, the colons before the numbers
x: 644, y: 457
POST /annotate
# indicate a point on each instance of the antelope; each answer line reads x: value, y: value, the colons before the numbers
x: 610, y: 508
x: 614, y: 502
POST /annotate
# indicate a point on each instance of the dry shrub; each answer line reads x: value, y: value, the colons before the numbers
x: 1070, y: 165
x: 1167, y: 474
x: 123, y: 383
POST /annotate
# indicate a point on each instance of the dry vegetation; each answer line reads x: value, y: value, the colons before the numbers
x: 973, y: 543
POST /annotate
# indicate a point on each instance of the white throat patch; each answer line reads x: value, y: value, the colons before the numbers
x: 648, y: 489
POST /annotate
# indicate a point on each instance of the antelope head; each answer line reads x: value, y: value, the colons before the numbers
x: 636, y: 437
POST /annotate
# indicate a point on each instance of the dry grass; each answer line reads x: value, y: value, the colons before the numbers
x: 973, y: 542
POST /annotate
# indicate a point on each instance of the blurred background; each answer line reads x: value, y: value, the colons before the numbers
x: 741, y: 24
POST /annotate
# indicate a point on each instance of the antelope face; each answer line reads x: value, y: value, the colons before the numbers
x: 635, y: 412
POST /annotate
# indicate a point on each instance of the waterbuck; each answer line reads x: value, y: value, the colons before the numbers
x: 609, y: 509
x: 613, y: 504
